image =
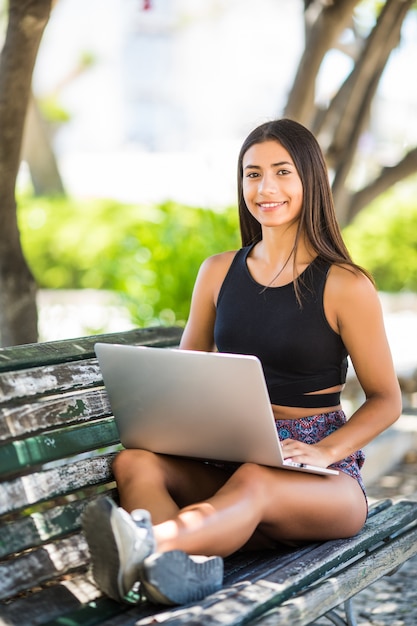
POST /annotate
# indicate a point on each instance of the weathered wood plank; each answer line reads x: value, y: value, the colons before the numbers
x: 41, y: 527
x: 49, y: 603
x: 38, y: 528
x: 50, y: 379
x: 39, y: 354
x: 319, y: 599
x: 330, y: 555
x: 44, y: 414
x: 42, y: 564
x: 57, y: 444
x: 74, y: 368
x: 23, y: 491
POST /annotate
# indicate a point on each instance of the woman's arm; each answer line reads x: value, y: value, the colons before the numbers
x: 352, y: 305
x: 199, y: 330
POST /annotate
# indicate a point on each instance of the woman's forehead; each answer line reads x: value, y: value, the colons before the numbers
x: 267, y: 152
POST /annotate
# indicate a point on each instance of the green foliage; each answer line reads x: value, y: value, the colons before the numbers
x: 148, y: 254
x: 383, y: 239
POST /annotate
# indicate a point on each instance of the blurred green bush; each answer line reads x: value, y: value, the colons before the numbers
x: 150, y: 255
x: 383, y: 238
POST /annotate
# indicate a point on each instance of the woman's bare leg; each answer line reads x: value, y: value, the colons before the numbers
x: 163, y: 484
x: 197, y: 509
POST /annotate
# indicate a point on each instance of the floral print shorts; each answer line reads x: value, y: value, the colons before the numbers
x: 315, y: 428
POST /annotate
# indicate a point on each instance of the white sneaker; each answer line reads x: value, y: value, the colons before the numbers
x: 118, y: 543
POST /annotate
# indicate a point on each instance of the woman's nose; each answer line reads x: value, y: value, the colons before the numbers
x: 268, y: 184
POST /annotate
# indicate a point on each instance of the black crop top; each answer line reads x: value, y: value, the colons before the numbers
x: 298, y: 349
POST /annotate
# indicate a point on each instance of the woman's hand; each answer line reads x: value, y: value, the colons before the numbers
x: 310, y: 454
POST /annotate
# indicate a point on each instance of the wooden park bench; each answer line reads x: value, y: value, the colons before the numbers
x: 57, y: 442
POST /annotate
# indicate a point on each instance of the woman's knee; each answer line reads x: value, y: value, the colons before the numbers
x: 131, y: 463
x: 252, y: 479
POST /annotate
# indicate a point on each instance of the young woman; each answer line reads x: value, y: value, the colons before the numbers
x: 293, y: 297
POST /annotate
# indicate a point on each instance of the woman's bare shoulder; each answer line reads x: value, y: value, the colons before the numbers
x: 221, y: 259
x: 351, y: 298
x: 218, y: 263
x: 348, y: 282
x: 212, y: 273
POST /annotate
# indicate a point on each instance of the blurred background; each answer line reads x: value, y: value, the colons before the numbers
x: 127, y: 179
x: 183, y: 82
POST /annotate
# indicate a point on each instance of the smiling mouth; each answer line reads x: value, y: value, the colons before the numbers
x: 270, y: 205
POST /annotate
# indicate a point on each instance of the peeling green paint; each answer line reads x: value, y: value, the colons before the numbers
x: 76, y: 410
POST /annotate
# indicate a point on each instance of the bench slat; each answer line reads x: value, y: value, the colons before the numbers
x: 320, y: 599
x: 38, y: 528
x: 57, y: 444
x: 49, y: 353
x: 57, y: 379
x: 76, y: 367
x: 24, y: 491
x: 103, y: 611
x: 45, y: 414
x: 43, y: 526
x: 49, y: 603
x: 328, y: 555
x: 42, y: 564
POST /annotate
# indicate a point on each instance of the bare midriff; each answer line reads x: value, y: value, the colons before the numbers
x: 295, y: 412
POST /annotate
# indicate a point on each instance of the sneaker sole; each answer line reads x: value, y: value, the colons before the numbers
x: 176, y: 578
x: 105, y: 564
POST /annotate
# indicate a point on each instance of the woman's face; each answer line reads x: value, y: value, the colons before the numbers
x: 272, y: 188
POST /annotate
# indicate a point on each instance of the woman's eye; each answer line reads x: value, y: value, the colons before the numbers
x: 252, y: 175
x: 283, y: 172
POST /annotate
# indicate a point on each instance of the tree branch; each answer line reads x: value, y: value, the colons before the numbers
x: 389, y: 176
x: 342, y: 117
x: 324, y: 25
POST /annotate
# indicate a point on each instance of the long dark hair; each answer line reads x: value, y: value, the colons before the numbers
x: 318, y: 218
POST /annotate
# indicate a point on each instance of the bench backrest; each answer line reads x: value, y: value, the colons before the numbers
x: 57, y: 442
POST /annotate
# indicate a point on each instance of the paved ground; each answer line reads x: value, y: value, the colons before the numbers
x: 391, y: 601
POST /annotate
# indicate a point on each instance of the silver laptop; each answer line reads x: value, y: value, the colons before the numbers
x: 204, y: 405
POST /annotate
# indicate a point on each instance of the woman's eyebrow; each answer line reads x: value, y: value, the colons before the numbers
x: 258, y: 167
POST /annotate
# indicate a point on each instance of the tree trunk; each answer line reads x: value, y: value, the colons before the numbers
x: 27, y: 21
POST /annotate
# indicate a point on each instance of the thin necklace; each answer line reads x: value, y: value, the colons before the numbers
x: 278, y: 274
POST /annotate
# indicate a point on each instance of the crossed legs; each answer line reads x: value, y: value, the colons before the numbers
x: 201, y: 509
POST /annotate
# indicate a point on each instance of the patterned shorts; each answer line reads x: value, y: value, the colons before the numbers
x: 315, y: 428
x: 311, y: 430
